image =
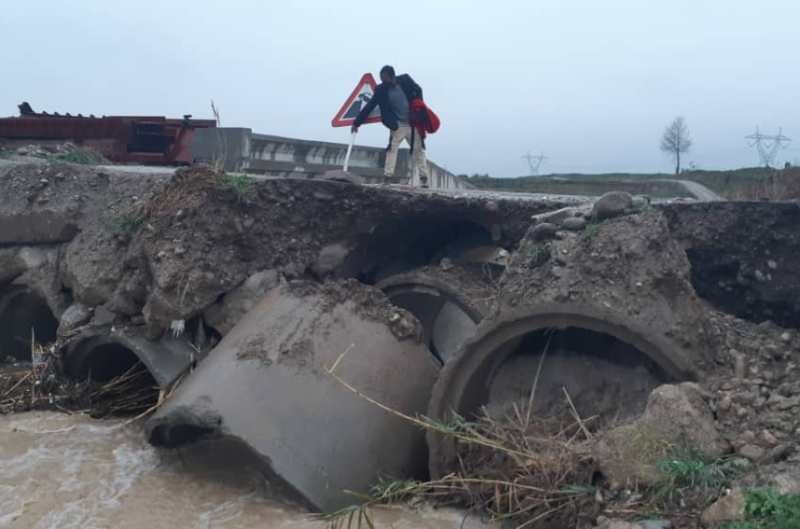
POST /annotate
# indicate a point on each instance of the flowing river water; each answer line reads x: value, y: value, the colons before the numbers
x: 61, y: 471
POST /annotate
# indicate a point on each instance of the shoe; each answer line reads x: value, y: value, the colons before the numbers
x: 387, y: 180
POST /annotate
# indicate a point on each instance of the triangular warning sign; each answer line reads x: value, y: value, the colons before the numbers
x: 357, y: 100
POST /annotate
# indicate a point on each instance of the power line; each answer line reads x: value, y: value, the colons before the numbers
x: 768, y: 145
x: 534, y: 162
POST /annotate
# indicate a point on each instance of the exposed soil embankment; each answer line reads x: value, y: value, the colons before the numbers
x: 151, y: 250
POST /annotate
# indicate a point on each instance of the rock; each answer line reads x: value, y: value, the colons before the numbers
x: 102, y: 317
x: 778, y: 453
x: 676, y: 415
x: 330, y: 258
x: 751, y: 452
x: 574, y: 223
x: 225, y: 315
x: 786, y: 337
x: 76, y: 315
x: 611, y: 205
x: 544, y: 231
x: 768, y: 438
x: 728, y: 508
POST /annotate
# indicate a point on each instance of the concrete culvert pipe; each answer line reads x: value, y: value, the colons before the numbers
x: 24, y: 314
x: 268, y: 383
x: 606, y: 365
x: 448, y: 315
x: 106, y: 356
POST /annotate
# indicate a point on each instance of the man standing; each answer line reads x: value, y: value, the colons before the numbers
x: 393, y: 96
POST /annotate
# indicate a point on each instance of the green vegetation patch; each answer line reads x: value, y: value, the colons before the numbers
x: 767, y: 509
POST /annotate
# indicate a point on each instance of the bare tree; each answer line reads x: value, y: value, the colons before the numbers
x: 676, y: 140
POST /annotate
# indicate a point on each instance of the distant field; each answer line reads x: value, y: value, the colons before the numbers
x: 748, y: 183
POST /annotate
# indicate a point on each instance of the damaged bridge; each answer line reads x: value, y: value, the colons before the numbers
x: 292, y: 313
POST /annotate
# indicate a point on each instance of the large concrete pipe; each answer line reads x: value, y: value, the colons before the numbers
x: 267, y: 384
x: 24, y: 315
x: 591, y: 348
x: 102, y: 357
x: 448, y: 309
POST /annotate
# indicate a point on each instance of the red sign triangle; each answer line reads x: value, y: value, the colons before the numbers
x: 357, y: 100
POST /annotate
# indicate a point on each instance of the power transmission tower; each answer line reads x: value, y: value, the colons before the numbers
x: 534, y: 162
x: 768, y: 145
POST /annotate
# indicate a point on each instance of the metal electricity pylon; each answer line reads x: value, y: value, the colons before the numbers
x: 534, y: 162
x: 768, y: 145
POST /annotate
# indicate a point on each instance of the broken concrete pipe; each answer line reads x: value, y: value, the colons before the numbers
x: 293, y: 380
x: 448, y: 316
x: 104, y: 356
x: 607, y: 365
x: 25, y: 317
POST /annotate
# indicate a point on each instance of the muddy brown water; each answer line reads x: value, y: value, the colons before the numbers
x: 62, y: 471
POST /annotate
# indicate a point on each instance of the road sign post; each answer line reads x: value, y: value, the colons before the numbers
x: 349, y: 151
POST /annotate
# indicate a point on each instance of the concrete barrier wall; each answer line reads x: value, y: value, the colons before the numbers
x: 243, y: 150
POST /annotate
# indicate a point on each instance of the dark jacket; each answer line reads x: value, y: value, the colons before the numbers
x: 381, y: 98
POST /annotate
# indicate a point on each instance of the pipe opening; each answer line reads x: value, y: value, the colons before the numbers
x: 401, y: 245
x: 24, y: 315
x: 447, y: 323
x: 119, y: 382
x: 108, y: 361
x: 605, y: 377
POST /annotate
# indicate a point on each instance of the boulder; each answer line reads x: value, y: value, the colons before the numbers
x: 676, y: 418
x: 611, y: 205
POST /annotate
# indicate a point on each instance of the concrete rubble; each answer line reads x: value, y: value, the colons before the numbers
x: 673, y: 322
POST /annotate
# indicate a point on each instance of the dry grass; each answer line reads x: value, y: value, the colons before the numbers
x: 523, y: 470
x: 40, y: 387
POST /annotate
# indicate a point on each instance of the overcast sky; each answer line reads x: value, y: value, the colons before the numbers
x: 589, y: 83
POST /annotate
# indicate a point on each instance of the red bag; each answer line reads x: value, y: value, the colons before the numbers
x: 423, y: 118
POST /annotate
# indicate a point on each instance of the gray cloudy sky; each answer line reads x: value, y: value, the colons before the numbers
x: 590, y: 83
